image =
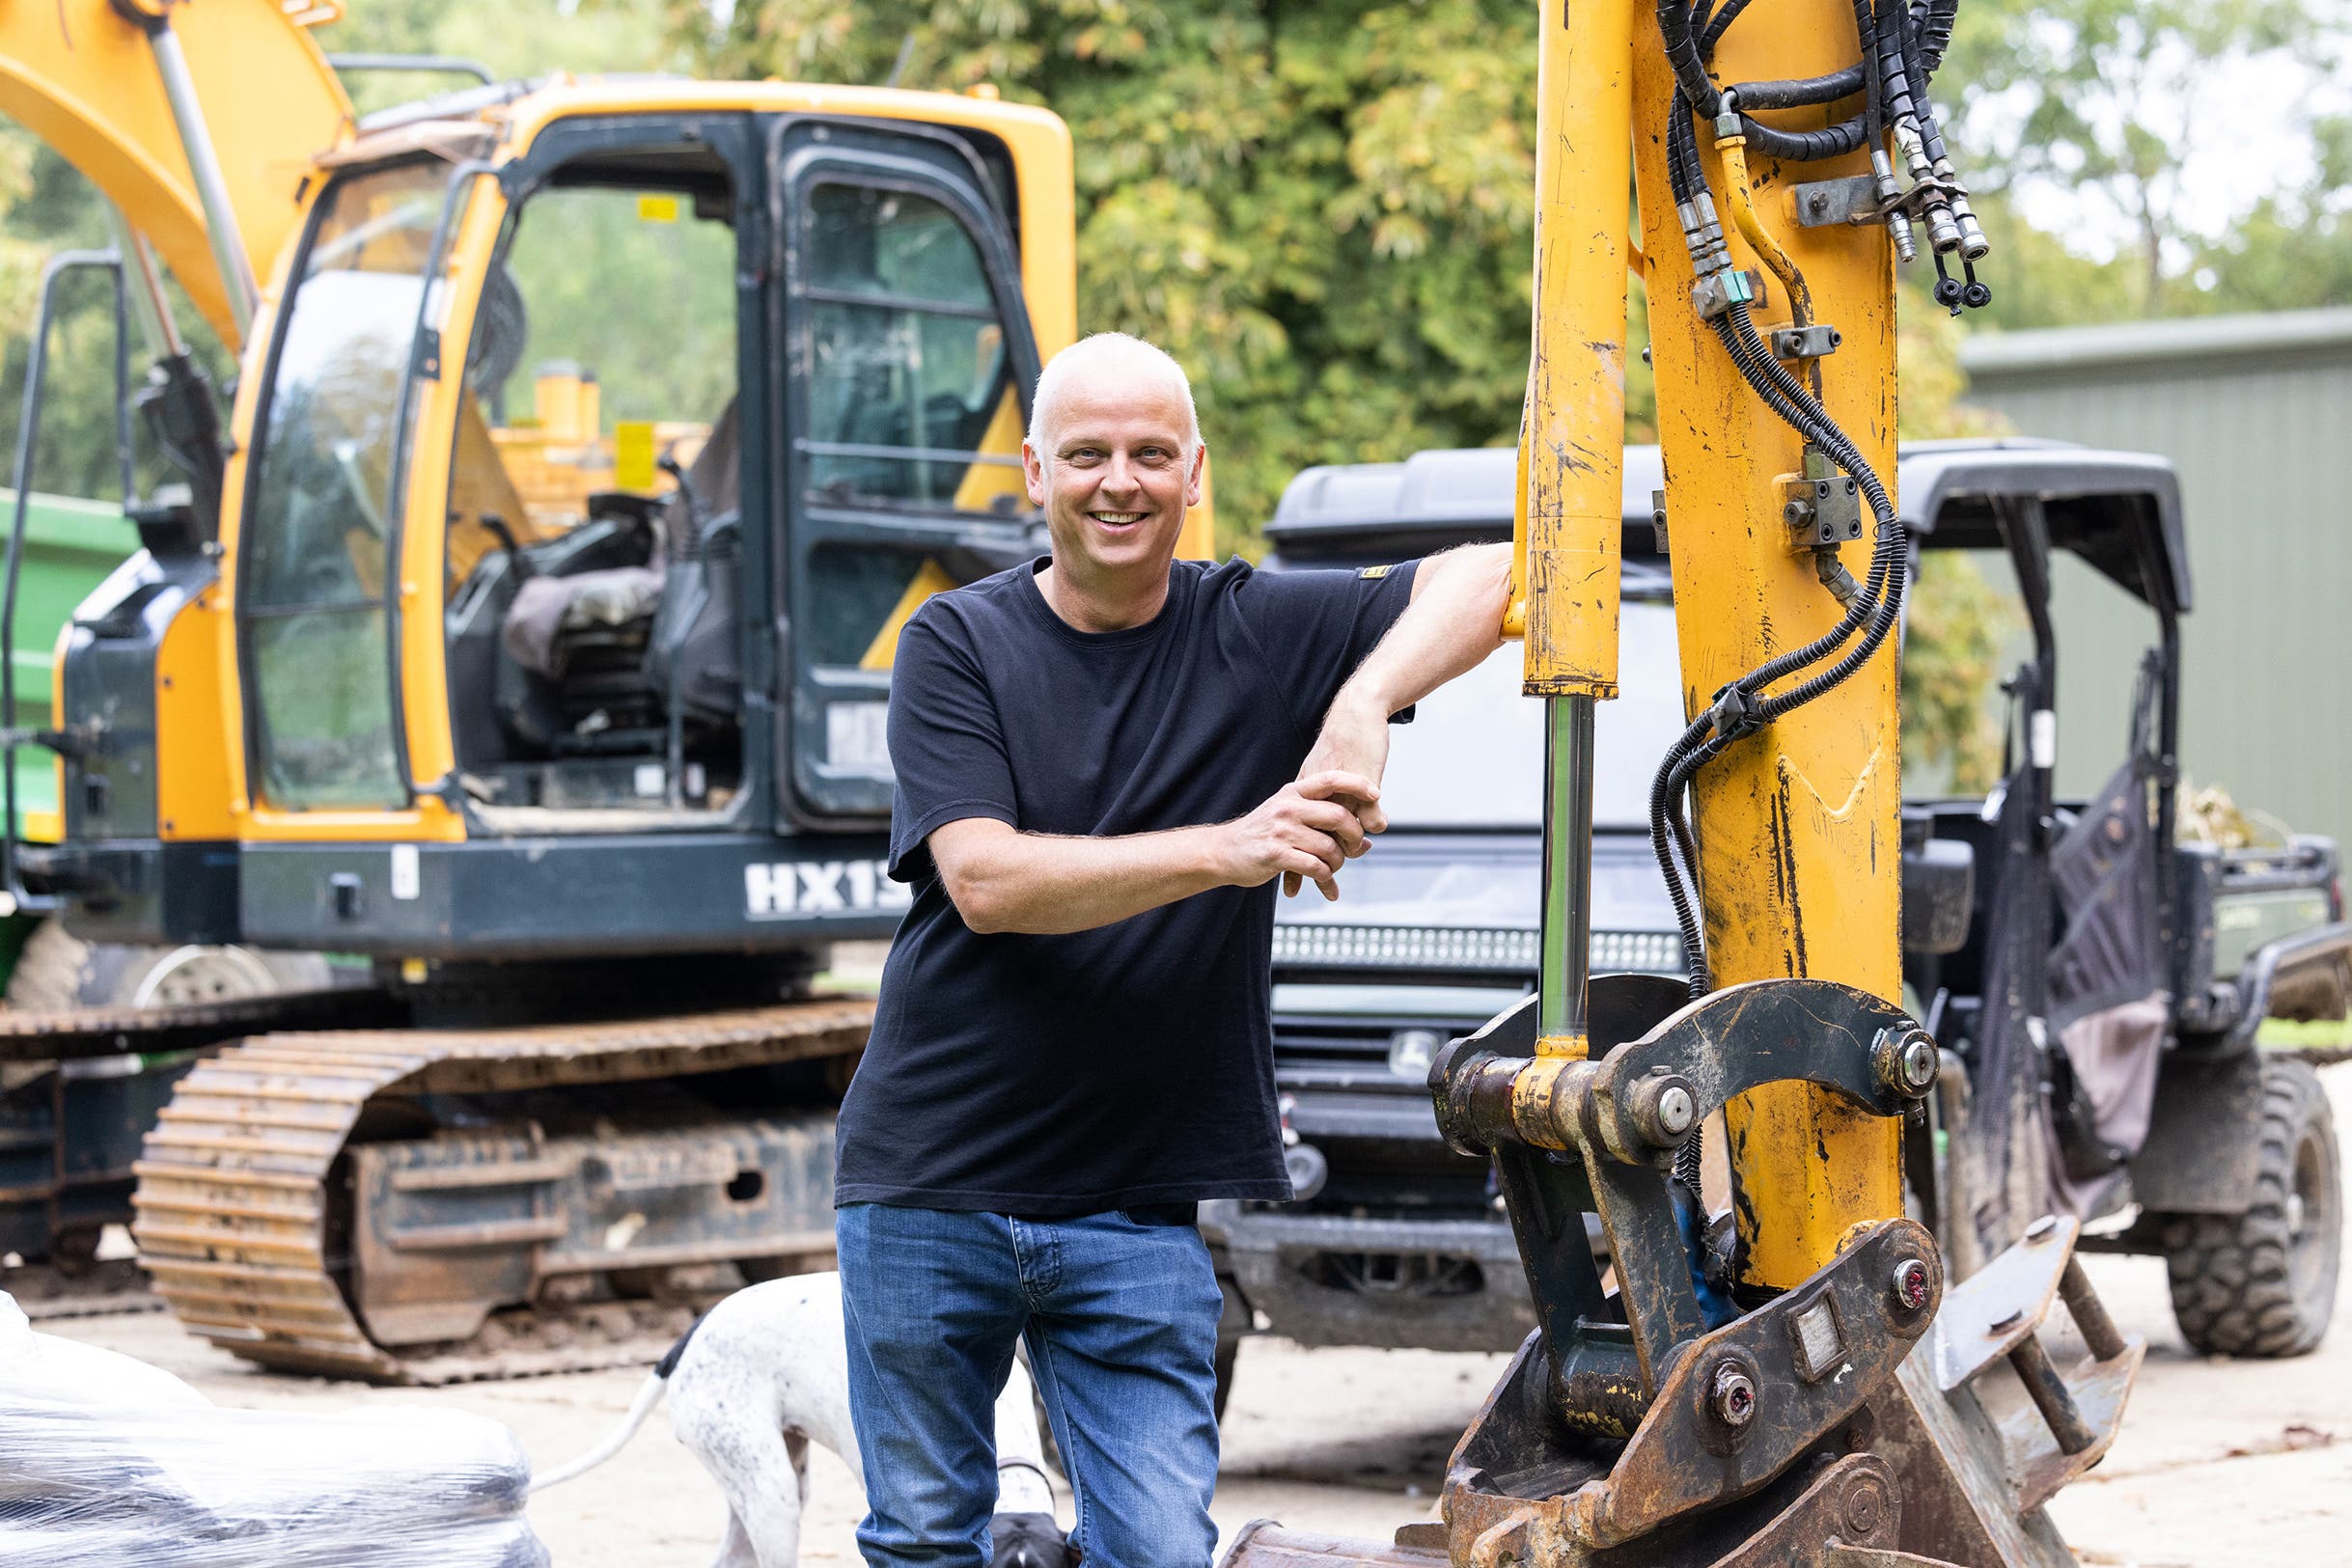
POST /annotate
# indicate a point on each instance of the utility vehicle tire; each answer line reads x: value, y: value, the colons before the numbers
x: 2263, y: 1282
x: 58, y: 969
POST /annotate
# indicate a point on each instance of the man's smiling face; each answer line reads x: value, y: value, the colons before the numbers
x: 1118, y: 468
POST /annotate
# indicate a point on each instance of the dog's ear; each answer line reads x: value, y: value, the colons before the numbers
x: 1029, y: 1541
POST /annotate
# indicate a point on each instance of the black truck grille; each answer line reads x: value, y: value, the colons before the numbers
x: 1347, y: 1052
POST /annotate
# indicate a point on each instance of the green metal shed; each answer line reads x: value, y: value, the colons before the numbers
x: 2255, y: 411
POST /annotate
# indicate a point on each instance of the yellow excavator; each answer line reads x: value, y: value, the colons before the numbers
x: 589, y: 762
x: 525, y: 630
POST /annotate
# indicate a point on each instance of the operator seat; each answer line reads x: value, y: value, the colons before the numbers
x: 694, y: 655
x: 640, y: 627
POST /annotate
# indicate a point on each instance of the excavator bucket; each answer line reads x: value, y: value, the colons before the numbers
x: 1949, y: 1462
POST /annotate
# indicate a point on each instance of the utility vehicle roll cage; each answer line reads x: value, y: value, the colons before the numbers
x: 2119, y: 512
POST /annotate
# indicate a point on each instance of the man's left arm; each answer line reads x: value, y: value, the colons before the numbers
x: 1452, y: 620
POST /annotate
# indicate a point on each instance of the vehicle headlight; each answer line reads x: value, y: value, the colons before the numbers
x: 1411, y: 1051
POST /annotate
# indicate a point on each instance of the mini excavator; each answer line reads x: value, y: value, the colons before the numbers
x: 1793, y: 1381
x: 523, y: 630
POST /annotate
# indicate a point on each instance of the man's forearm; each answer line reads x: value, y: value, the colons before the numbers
x: 1455, y: 621
x: 1042, y: 885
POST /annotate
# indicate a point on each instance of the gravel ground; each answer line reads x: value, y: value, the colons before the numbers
x: 2221, y: 1463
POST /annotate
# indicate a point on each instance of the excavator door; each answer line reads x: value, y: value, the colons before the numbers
x: 910, y: 361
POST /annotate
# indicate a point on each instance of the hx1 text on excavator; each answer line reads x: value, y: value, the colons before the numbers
x: 1794, y: 1382
x: 427, y: 660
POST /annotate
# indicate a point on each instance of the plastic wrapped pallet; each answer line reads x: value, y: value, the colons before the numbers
x: 105, y: 1461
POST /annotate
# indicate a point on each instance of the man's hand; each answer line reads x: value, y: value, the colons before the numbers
x: 1354, y: 743
x: 1305, y: 830
x: 1453, y: 619
x: 1040, y: 884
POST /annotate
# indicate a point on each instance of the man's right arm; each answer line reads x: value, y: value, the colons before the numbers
x: 1001, y: 879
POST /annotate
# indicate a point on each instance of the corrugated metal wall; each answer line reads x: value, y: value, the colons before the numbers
x: 2261, y: 433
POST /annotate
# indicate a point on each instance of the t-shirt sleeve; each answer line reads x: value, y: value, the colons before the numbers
x: 1314, y: 628
x: 946, y: 746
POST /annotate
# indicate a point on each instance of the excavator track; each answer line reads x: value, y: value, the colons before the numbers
x: 85, y: 1040
x: 236, y: 1194
x: 103, y: 1289
x: 75, y: 1033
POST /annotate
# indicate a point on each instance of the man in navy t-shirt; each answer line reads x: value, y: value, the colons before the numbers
x: 1104, y: 759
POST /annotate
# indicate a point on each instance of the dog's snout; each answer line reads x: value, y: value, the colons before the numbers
x: 1029, y: 1541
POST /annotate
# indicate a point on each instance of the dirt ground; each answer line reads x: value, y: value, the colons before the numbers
x: 2221, y: 1463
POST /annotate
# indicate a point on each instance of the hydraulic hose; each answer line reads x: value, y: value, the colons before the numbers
x: 1683, y: 53
x: 1894, y: 84
x: 1936, y: 31
x: 1733, y: 151
x: 1798, y: 92
x: 1711, y: 30
x: 1891, y: 75
x: 1788, y: 399
x: 1871, y: 613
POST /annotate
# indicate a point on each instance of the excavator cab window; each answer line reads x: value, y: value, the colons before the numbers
x: 910, y: 363
x: 598, y: 508
x: 316, y: 545
x: 911, y: 369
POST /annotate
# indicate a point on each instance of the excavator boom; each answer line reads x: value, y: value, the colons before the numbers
x: 91, y: 78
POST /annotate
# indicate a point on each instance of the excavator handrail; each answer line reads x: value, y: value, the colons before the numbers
x: 28, y: 437
x: 436, y: 65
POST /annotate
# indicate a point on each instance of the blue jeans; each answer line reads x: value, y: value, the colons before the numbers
x: 1121, y: 1320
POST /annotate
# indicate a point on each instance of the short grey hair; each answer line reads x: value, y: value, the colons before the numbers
x: 1131, y: 358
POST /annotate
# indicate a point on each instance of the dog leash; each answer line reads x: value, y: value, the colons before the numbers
x: 1028, y: 1465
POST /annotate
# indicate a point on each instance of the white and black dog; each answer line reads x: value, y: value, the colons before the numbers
x: 764, y: 1373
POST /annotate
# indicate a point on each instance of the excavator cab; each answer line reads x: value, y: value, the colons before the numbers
x: 596, y: 623
x: 592, y: 454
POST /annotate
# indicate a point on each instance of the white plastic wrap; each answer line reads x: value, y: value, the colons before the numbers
x: 105, y: 1462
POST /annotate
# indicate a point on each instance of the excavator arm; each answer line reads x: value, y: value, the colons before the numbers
x: 1793, y: 1379
x: 97, y: 80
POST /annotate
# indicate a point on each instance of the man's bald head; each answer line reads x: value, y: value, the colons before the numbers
x: 1109, y: 363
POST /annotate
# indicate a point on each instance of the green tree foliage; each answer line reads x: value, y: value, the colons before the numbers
x: 20, y: 259
x: 1323, y: 209
x: 2294, y: 250
x: 1956, y: 626
x: 2039, y: 282
x: 2109, y: 100
x: 513, y: 38
x: 1957, y: 632
x: 45, y: 207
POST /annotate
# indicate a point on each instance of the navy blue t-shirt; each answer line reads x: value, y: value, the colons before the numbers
x: 1131, y: 1065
